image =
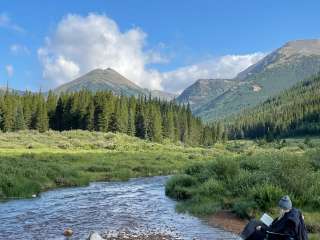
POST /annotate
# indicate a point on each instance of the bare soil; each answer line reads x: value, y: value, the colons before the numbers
x: 228, y: 221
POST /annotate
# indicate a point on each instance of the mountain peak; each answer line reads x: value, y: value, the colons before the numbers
x: 99, y: 79
x: 289, y: 53
x: 109, y: 69
x: 109, y: 79
x: 301, y: 47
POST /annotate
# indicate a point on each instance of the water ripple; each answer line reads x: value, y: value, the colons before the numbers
x: 137, y: 204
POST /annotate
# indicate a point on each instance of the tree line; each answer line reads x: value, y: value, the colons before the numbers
x: 143, y: 117
x: 295, y: 112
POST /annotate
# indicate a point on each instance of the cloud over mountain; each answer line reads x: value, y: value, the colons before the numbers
x: 221, y: 67
x: 80, y: 44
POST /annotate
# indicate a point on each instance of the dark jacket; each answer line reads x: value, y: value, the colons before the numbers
x: 287, y: 225
x: 285, y: 228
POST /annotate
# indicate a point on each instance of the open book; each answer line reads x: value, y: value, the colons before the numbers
x: 266, y: 219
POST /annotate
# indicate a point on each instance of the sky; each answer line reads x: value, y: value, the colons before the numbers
x: 158, y: 44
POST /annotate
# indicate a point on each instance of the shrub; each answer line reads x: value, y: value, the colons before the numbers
x: 292, y: 174
x: 194, y: 169
x: 250, y: 164
x: 212, y: 187
x: 245, y: 181
x: 226, y: 168
x: 178, y: 187
x: 266, y: 195
x: 202, y: 172
x: 244, y: 208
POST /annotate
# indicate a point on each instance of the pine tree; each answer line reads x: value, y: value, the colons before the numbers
x: 89, y: 118
x: 184, y: 128
x: 131, y: 123
x: 140, y: 130
x: 168, y: 125
x: 113, y: 123
x: 51, y: 108
x: 121, y: 112
x: 19, y: 123
x: 156, y: 125
x: 27, y: 112
x: 42, y: 121
x: 58, y: 116
x: 8, y: 113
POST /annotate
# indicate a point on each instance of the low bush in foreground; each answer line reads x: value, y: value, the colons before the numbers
x: 250, y: 184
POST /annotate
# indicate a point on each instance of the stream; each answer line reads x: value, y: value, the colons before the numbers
x: 138, y: 204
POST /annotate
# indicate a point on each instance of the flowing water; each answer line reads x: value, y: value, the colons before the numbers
x: 139, y: 204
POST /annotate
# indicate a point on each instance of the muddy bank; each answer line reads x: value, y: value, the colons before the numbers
x: 227, y: 221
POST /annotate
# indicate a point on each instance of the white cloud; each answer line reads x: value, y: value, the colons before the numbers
x: 17, y: 49
x: 6, y: 22
x: 9, y: 70
x: 223, y: 67
x: 80, y: 44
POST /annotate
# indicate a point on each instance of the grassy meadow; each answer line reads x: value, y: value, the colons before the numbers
x: 252, y: 180
x: 31, y: 162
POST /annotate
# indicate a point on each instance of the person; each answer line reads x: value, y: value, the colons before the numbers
x: 286, y: 227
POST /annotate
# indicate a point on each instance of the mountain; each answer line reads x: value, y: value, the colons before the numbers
x: 279, y: 70
x: 204, y: 90
x: 109, y: 79
x: 294, y: 112
x: 99, y: 79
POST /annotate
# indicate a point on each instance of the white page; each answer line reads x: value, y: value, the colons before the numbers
x: 266, y: 219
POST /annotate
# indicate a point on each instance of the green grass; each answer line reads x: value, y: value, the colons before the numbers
x: 31, y: 162
x: 252, y: 180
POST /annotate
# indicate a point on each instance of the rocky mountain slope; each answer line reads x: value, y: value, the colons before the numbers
x: 205, y: 90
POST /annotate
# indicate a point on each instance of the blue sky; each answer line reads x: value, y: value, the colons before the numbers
x: 172, y: 43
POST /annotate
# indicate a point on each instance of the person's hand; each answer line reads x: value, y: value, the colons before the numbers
x: 258, y: 228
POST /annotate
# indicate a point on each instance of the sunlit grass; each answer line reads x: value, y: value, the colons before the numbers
x: 31, y: 162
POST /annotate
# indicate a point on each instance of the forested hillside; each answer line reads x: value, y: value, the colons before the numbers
x: 143, y: 117
x: 294, y: 112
